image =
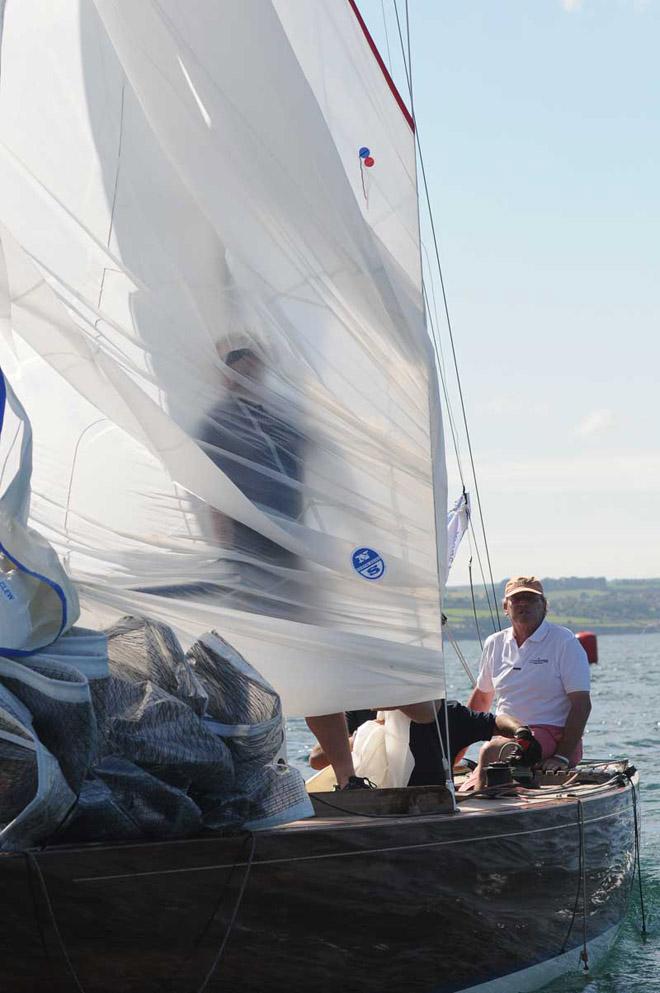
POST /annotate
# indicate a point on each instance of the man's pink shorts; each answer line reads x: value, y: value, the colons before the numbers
x: 548, y: 736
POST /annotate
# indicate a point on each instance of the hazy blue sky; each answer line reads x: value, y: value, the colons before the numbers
x: 539, y: 123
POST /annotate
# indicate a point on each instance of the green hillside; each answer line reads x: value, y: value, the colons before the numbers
x: 616, y: 606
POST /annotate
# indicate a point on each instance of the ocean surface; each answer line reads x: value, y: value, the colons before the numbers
x: 625, y: 721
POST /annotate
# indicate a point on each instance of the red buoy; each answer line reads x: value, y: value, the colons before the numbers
x: 589, y: 642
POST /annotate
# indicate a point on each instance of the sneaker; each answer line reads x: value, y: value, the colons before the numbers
x: 357, y: 783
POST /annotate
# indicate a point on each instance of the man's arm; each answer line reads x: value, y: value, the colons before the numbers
x: 573, y: 729
x: 481, y: 700
x: 507, y: 725
x: 483, y: 694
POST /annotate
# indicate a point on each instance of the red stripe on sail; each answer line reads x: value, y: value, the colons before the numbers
x: 388, y: 79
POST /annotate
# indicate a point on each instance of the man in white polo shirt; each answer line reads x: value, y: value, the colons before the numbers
x: 539, y: 672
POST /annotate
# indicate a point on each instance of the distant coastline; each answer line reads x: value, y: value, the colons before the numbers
x: 593, y: 603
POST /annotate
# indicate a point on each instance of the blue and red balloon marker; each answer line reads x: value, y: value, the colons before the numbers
x: 366, y: 162
x: 366, y: 158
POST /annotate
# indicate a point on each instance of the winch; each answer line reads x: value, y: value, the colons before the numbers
x: 518, y: 758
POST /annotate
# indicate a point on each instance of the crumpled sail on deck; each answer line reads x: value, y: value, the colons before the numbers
x: 179, y: 182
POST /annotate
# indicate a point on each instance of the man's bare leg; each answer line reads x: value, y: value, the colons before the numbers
x: 331, y: 732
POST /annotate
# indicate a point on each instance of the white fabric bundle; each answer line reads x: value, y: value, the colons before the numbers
x: 381, y: 750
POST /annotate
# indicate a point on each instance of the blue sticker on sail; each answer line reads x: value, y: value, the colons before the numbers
x: 368, y: 563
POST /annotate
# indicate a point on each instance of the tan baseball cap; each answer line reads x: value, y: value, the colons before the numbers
x: 523, y: 584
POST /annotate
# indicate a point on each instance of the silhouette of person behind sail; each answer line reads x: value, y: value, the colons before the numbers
x: 263, y: 455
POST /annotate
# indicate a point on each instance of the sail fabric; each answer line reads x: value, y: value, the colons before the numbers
x: 210, y: 308
x: 38, y: 602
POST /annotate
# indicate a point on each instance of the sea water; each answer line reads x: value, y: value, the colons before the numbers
x: 624, y: 722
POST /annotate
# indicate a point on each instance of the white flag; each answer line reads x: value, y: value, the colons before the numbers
x: 457, y: 523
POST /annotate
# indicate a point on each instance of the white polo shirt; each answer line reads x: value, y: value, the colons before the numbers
x: 531, y: 682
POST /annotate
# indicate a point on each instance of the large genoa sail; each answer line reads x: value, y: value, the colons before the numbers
x: 183, y: 183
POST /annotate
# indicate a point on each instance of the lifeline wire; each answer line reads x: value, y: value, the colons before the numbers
x: 408, y: 72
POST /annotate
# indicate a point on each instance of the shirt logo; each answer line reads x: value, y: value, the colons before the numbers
x: 537, y: 661
x: 368, y: 563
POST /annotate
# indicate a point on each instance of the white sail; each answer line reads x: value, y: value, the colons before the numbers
x: 179, y: 182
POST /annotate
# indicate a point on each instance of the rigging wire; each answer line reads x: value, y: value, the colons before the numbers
x: 387, y: 38
x: 474, y: 605
x: 484, y: 583
x: 407, y: 60
x: 432, y: 319
x: 437, y: 348
x: 461, y: 657
x: 431, y: 282
x: 435, y: 340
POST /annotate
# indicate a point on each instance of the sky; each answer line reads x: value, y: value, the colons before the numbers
x: 539, y: 127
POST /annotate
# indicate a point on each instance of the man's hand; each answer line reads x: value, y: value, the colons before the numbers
x: 530, y: 750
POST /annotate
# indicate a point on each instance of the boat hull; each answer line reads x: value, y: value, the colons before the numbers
x: 489, y: 899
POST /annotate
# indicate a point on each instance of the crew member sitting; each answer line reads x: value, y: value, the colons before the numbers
x: 538, y: 671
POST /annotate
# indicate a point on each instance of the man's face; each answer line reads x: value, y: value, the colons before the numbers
x: 526, y: 608
x: 248, y: 367
x: 243, y: 373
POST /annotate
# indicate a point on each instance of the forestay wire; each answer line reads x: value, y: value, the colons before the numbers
x: 407, y: 62
x: 432, y: 317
